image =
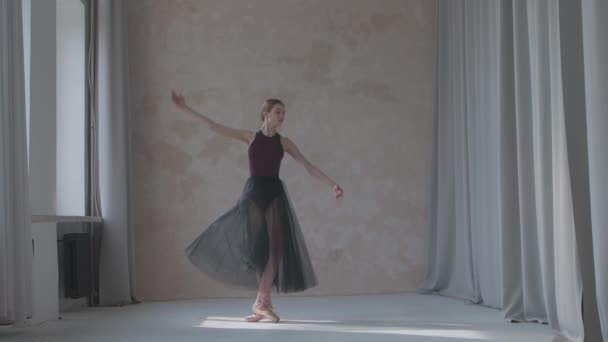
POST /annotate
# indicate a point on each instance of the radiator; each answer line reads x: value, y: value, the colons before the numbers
x: 77, y: 265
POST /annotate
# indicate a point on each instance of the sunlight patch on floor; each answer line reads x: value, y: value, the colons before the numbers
x: 338, y: 327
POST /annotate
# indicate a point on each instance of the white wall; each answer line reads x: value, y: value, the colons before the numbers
x: 42, y: 157
x: 356, y: 76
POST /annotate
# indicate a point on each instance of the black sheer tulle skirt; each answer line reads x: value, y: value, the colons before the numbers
x: 261, y: 228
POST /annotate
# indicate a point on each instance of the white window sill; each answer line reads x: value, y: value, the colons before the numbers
x: 58, y: 218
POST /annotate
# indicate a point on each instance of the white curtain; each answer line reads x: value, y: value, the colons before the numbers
x: 595, y: 52
x: 513, y: 161
x: 110, y: 163
x: 15, y: 218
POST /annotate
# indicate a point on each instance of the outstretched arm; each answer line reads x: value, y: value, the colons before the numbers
x: 314, y: 171
x: 238, y: 134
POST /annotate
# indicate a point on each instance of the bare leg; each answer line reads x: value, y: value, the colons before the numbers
x: 263, y: 303
x: 256, y: 317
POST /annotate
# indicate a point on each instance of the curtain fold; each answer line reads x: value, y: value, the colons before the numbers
x: 15, y: 217
x: 595, y: 52
x: 110, y: 150
x: 520, y: 120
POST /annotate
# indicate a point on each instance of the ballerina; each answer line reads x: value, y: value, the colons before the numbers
x: 258, y: 243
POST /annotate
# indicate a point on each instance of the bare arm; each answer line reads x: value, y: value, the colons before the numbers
x: 238, y: 134
x: 312, y: 170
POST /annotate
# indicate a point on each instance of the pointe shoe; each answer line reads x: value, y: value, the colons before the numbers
x: 254, y: 318
x: 267, y: 313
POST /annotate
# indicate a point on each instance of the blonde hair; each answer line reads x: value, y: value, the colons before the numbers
x: 268, y: 105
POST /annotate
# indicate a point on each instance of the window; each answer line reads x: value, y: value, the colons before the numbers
x: 26, y: 11
x: 71, y: 107
x: 55, y: 40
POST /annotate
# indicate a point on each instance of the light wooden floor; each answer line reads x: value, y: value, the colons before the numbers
x: 403, y: 317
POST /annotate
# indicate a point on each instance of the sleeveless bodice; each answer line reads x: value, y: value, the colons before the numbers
x: 265, y: 155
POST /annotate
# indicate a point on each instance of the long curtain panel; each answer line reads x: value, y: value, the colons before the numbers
x: 110, y: 149
x: 15, y: 217
x: 595, y: 52
x: 518, y: 160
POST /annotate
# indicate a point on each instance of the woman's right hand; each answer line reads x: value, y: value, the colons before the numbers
x: 179, y: 100
x: 337, y: 191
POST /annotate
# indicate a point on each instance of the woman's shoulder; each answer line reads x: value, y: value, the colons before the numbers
x: 286, y: 143
x: 250, y: 135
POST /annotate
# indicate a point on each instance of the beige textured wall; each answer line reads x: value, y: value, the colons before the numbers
x: 356, y: 76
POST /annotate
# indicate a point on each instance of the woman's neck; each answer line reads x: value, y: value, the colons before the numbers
x: 268, y: 131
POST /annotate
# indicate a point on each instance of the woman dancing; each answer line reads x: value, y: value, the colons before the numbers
x: 258, y: 243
